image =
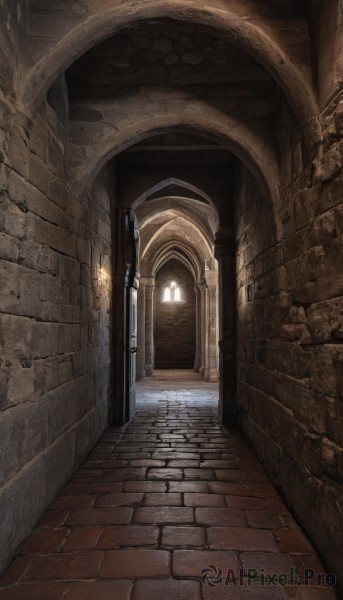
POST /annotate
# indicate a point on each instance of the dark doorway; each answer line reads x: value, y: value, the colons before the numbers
x: 174, y: 317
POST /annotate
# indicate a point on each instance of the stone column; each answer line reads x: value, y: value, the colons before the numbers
x: 211, y: 373
x: 140, y: 358
x: 206, y: 321
x: 118, y: 408
x: 197, y: 362
x: 202, y: 287
x: 149, y: 326
x: 225, y: 254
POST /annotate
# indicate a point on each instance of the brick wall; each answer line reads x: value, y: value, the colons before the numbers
x: 174, y: 323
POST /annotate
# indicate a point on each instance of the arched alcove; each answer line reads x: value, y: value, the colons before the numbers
x: 174, y: 321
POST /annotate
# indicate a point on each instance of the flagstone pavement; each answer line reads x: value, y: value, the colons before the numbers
x: 171, y: 506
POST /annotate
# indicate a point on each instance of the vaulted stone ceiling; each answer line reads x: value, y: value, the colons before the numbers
x: 161, y: 52
x: 177, y: 68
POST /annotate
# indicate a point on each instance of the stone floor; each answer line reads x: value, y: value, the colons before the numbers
x: 158, y: 502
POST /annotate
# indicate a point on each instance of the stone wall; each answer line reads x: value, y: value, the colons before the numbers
x: 174, y: 323
x: 290, y: 351
x: 13, y: 43
x: 55, y: 341
x: 55, y: 329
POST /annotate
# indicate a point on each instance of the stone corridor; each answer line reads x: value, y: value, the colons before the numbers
x: 156, y: 502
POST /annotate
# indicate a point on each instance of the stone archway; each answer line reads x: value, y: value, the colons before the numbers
x: 234, y: 136
x: 194, y: 253
x: 100, y: 26
x: 174, y: 319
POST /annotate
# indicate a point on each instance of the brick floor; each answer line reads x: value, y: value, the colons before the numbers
x: 173, y: 589
x: 157, y: 502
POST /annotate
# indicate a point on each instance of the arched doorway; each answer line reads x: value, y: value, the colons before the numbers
x: 174, y: 317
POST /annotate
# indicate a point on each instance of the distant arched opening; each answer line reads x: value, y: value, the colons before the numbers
x: 174, y: 317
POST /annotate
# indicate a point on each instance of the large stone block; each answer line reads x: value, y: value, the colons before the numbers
x: 68, y: 314
x: 325, y: 321
x: 55, y: 237
x: 46, y: 376
x: 50, y: 289
x: 308, y: 406
x: 78, y: 364
x: 288, y: 358
x: 9, y: 248
x: 332, y: 163
x: 20, y: 383
x: 41, y: 206
x: 13, y: 220
x: 319, y: 518
x: 65, y: 369
x: 17, y: 151
x: 331, y: 194
x: 39, y: 138
x: 63, y: 407
x: 23, y: 434
x: 58, y: 192
x: 29, y: 293
x: 68, y: 269
x: 69, y: 338
x: 47, y: 260
x: 16, y: 339
x: 17, y: 188
x: 103, y: 382
x: 19, y: 290
x: 26, y: 497
x: 45, y: 339
x: 306, y: 206
x: 39, y: 175
x: 294, y: 246
x: 84, y: 251
x: 323, y: 369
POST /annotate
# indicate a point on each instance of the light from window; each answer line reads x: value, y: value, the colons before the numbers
x: 172, y: 293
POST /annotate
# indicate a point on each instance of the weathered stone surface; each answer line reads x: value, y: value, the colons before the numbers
x: 44, y: 339
x: 298, y: 381
x: 24, y: 433
x: 196, y: 91
x: 54, y: 411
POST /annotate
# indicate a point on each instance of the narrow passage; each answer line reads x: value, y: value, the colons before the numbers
x: 158, y: 502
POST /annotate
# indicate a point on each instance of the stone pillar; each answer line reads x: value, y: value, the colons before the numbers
x: 149, y: 326
x: 202, y: 287
x: 225, y: 254
x: 118, y: 408
x: 197, y: 362
x: 211, y: 373
x: 205, y: 324
x: 140, y: 365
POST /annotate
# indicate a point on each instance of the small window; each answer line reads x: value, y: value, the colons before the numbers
x: 167, y: 295
x: 172, y: 293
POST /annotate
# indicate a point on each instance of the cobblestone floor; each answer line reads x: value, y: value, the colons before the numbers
x: 159, y: 501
